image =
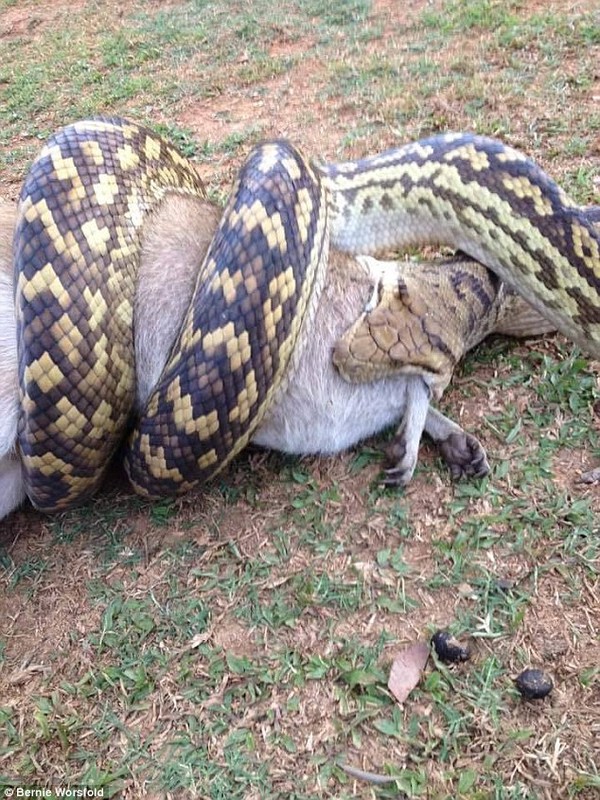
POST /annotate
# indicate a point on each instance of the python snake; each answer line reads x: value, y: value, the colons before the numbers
x: 82, y: 212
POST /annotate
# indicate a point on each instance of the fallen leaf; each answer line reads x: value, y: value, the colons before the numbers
x: 406, y: 670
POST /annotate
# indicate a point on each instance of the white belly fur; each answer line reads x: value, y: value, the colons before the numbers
x: 319, y: 412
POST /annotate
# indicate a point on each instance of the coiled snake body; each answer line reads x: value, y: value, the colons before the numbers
x: 82, y: 209
x: 82, y: 212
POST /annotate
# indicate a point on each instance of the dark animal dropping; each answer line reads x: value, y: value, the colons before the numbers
x: 534, y: 684
x: 448, y: 648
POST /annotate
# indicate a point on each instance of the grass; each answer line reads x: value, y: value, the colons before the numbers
x: 236, y: 643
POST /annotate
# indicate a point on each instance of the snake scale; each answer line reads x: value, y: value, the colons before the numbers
x: 82, y: 211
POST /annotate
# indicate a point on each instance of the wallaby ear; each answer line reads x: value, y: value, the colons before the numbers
x: 12, y: 487
x: 9, y: 391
